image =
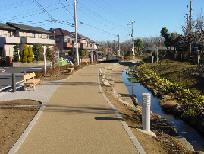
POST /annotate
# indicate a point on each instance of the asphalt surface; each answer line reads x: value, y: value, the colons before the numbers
x: 76, y: 119
x: 6, y: 74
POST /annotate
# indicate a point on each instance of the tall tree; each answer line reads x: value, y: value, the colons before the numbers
x: 17, y: 52
x: 30, y: 54
x: 37, y: 48
x: 48, y: 52
x: 138, y: 44
x: 25, y: 54
x: 167, y: 36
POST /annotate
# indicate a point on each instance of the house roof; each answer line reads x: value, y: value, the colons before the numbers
x: 5, y: 26
x: 80, y: 36
x: 61, y: 32
x: 28, y: 28
x: 92, y: 41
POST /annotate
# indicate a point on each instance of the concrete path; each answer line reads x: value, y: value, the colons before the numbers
x: 78, y: 120
x: 114, y: 73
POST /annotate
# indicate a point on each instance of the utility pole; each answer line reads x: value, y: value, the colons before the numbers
x: 190, y: 22
x: 76, y: 40
x: 118, y: 53
x: 132, y: 35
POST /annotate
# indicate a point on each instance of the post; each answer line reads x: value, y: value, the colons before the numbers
x: 152, y: 59
x: 146, y: 111
x: 198, y: 59
x: 44, y: 53
x: 13, y: 83
x: 91, y: 56
x: 118, y: 53
x: 133, y: 47
x: 157, y: 55
x: 76, y: 40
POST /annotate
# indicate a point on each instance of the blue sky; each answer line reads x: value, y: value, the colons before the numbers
x: 102, y: 19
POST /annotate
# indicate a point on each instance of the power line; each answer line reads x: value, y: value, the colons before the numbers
x: 96, y: 19
x: 98, y: 15
x: 117, y: 13
x: 66, y: 8
x: 41, y: 7
x: 29, y: 13
x: 15, y: 5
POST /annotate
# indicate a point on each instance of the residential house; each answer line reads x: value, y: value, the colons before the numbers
x: 86, y: 43
x: 65, y: 41
x: 12, y: 34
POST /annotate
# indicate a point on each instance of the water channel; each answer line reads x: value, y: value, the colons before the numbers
x: 184, y: 130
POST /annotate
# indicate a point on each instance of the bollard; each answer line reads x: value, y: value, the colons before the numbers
x: 13, y: 83
x: 146, y: 111
x: 152, y: 59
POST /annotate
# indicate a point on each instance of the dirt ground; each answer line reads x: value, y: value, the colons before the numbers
x: 13, y: 121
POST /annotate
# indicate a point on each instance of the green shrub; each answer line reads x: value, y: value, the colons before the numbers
x: 30, y: 55
x: 37, y: 48
x: 25, y: 54
x: 24, y: 60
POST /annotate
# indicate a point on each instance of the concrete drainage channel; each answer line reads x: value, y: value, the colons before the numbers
x: 127, y: 129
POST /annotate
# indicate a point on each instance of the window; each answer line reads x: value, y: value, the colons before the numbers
x: 33, y: 35
x: 57, y: 39
x: 10, y: 34
x: 90, y: 45
x: 68, y: 40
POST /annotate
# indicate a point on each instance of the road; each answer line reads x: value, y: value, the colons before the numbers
x: 6, y: 74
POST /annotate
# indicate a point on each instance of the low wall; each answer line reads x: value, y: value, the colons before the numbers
x: 85, y: 60
x: 36, y: 63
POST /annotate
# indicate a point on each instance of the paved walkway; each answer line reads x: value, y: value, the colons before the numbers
x: 77, y: 120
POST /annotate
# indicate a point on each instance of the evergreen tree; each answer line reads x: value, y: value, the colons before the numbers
x: 25, y: 54
x: 48, y: 53
x: 30, y: 54
x: 16, y: 54
x: 138, y: 44
x: 37, y: 48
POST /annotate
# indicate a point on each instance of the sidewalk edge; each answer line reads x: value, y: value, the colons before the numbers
x: 127, y: 129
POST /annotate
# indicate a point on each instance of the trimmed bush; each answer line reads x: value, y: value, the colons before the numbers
x: 25, y: 54
x: 30, y: 54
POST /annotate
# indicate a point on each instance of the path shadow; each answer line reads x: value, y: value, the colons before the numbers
x: 78, y: 109
x: 108, y: 118
x: 71, y: 83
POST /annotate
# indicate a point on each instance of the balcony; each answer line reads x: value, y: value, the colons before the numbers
x: 70, y: 45
x: 9, y: 40
x: 30, y: 40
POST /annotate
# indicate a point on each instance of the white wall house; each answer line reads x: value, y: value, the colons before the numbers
x: 12, y: 33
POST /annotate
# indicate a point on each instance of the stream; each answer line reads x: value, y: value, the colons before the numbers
x: 184, y: 130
